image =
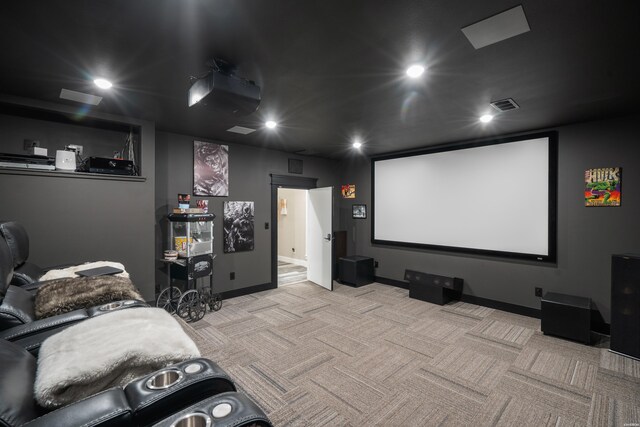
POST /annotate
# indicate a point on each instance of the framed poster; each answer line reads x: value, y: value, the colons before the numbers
x: 603, y: 187
x: 238, y: 226
x: 359, y: 211
x: 210, y: 169
x: 348, y: 191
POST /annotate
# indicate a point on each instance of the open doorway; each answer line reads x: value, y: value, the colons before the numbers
x: 319, y: 226
x: 292, y: 230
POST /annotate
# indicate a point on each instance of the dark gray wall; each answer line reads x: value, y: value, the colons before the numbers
x: 249, y: 180
x: 587, y: 237
x: 72, y: 219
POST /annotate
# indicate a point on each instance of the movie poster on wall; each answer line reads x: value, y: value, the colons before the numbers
x: 210, y: 169
x: 603, y: 187
x: 238, y: 226
x: 348, y: 191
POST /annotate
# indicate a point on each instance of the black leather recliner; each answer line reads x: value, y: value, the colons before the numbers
x: 17, y: 316
x: 25, y: 273
x: 142, y: 402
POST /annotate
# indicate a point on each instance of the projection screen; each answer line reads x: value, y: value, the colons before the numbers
x: 495, y: 198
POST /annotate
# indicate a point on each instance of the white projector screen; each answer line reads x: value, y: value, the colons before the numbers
x: 496, y: 198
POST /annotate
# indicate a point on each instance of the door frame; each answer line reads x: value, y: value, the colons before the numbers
x: 283, y: 181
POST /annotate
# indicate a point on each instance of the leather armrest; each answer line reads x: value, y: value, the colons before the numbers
x: 151, y: 405
x: 115, y: 306
x: 32, y: 343
x: 30, y: 270
x: 16, y: 308
x: 107, y: 408
x: 22, y: 280
x: 243, y: 412
x: 42, y: 325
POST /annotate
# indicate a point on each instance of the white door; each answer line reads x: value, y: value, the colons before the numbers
x: 319, y: 236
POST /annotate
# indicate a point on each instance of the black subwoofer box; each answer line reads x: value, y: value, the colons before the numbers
x: 625, y: 305
x: 566, y: 316
x: 356, y: 270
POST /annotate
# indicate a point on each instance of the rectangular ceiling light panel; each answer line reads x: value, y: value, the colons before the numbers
x: 241, y: 130
x: 84, y: 98
x: 497, y: 28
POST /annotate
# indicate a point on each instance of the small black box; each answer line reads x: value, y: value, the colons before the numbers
x: 108, y: 166
x: 433, y: 288
x: 355, y: 270
x: 566, y: 316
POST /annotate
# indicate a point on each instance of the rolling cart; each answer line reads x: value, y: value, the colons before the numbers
x: 192, y: 236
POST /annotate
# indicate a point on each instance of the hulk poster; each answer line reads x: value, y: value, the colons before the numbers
x: 602, y: 187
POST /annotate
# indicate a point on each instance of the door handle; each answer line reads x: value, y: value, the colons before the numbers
x: 328, y: 238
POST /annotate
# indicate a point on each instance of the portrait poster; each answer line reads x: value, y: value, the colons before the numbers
x: 210, y: 169
x: 238, y: 226
x: 349, y: 191
x: 603, y: 187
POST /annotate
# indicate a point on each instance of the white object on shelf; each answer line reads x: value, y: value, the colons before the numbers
x: 38, y: 151
x: 65, y: 160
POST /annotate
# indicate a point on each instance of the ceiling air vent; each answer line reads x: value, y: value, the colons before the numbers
x: 241, y: 130
x: 84, y: 98
x: 504, y: 104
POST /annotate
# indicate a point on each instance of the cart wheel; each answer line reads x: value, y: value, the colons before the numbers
x: 187, y: 300
x: 198, y: 309
x: 215, y: 302
x: 165, y: 302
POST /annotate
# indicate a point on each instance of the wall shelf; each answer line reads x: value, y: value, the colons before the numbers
x: 64, y: 174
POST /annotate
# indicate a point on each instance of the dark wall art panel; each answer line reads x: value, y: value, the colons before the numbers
x: 238, y: 226
x: 210, y: 169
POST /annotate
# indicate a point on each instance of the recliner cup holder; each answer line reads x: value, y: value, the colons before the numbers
x: 111, y: 306
x: 193, y: 420
x: 165, y: 379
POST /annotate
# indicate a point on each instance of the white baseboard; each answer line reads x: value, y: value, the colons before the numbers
x: 292, y: 260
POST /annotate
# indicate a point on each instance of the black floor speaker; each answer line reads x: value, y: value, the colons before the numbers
x: 625, y: 305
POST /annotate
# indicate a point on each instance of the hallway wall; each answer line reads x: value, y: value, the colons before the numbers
x: 292, y: 232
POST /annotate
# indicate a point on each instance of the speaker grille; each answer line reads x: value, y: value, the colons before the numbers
x: 295, y: 166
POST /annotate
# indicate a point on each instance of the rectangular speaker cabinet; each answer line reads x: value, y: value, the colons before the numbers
x: 566, y: 316
x: 433, y: 288
x: 356, y: 270
x: 625, y: 305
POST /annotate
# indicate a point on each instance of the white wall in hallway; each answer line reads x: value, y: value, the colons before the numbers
x: 292, y: 226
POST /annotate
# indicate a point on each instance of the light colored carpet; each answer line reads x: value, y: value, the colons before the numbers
x: 373, y: 356
x: 290, y: 273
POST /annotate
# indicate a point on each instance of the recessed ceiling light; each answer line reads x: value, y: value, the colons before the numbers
x: 415, y: 71
x: 103, y: 83
x: 486, y: 118
x: 271, y: 124
x: 357, y: 144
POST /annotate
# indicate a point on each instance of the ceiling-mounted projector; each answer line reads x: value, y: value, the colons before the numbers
x: 221, y: 89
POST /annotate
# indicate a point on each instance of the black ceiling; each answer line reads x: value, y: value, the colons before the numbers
x: 330, y: 70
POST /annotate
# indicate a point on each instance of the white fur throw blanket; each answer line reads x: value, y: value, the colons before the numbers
x: 71, y: 271
x: 108, y: 351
